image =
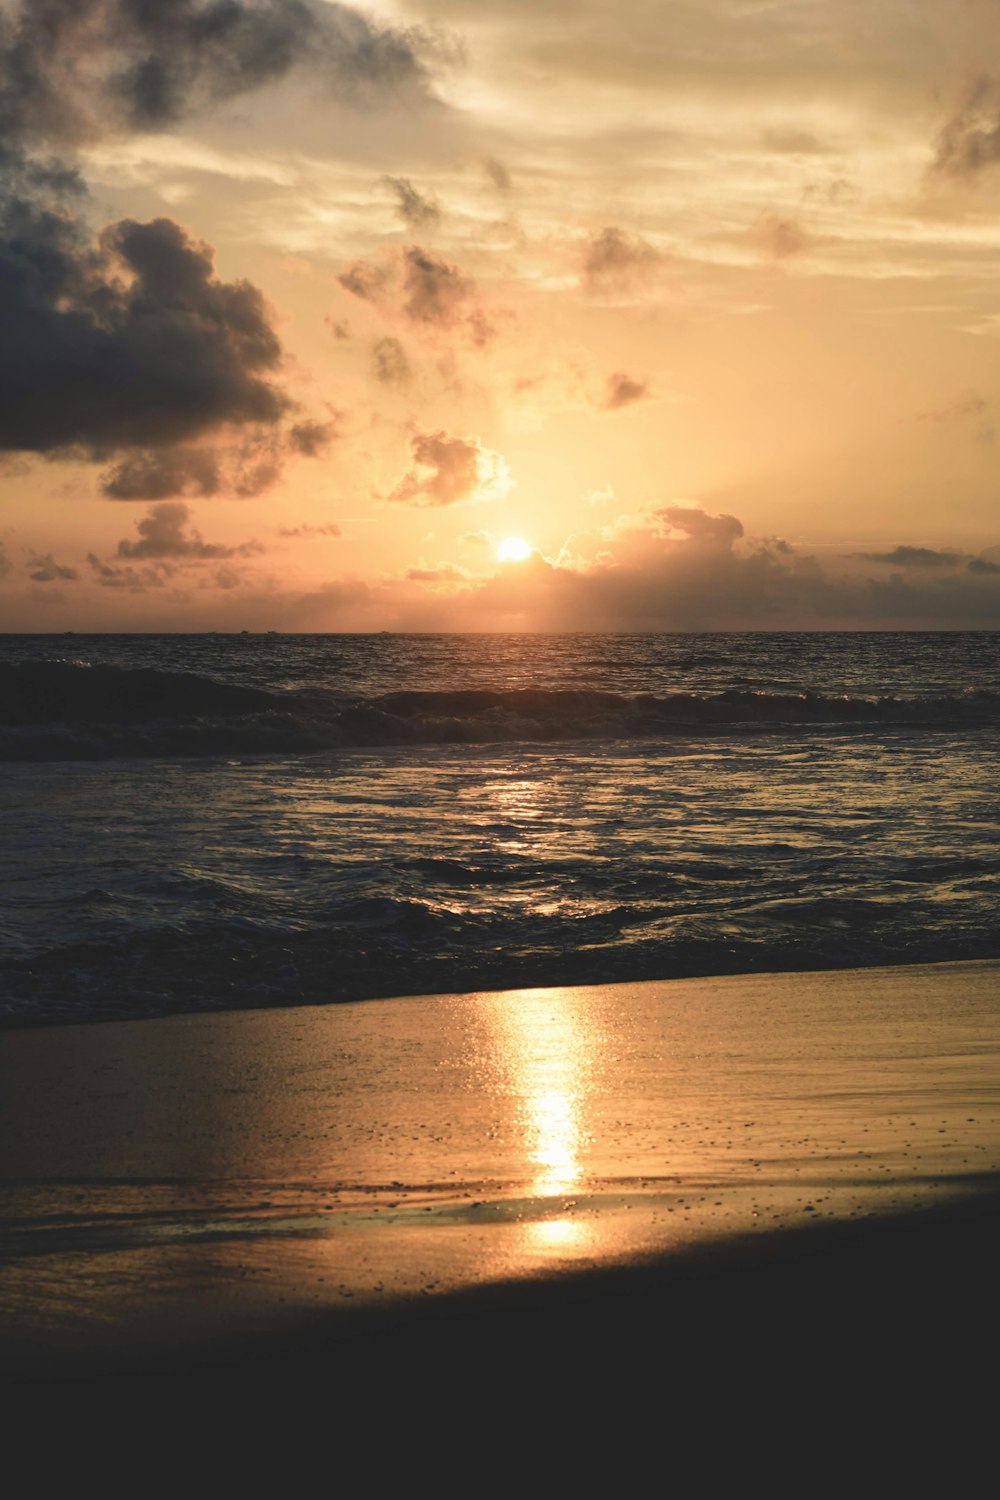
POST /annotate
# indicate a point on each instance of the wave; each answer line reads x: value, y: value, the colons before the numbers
x: 55, y: 710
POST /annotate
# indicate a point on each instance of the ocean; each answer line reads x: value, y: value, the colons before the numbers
x: 207, y: 822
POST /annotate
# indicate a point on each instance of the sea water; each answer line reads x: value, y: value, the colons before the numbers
x: 199, y: 822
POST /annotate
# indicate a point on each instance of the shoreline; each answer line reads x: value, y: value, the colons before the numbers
x: 238, y: 1181
x: 610, y: 977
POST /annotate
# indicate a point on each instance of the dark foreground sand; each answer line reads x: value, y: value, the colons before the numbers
x: 747, y: 1226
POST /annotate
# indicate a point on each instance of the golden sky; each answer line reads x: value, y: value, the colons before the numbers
x: 307, y: 308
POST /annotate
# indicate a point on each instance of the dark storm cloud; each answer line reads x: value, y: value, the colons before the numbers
x: 616, y: 260
x: 970, y: 139
x: 983, y: 566
x: 391, y: 366
x: 128, y: 341
x: 623, y: 390
x: 131, y: 341
x: 72, y: 71
x: 913, y: 557
x: 164, y: 534
x: 47, y: 570
x: 413, y: 208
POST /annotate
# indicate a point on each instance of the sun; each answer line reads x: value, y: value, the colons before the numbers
x: 513, y: 549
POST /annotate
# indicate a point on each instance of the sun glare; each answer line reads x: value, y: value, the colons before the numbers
x: 513, y: 549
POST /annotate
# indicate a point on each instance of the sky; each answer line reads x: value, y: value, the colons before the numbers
x: 307, y: 309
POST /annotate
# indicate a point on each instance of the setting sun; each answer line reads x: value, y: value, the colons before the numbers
x: 513, y: 549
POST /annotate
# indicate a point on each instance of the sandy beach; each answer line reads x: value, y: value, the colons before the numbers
x: 746, y: 1160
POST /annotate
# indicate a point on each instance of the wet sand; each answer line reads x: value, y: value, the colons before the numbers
x: 782, y: 1183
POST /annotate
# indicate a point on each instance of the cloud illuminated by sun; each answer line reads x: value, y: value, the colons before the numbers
x: 513, y: 549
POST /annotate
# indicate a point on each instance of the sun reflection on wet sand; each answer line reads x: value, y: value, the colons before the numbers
x: 545, y: 1050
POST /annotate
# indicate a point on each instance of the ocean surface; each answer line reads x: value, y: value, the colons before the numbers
x: 204, y: 822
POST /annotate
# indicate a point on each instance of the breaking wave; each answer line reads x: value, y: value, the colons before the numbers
x: 54, y: 710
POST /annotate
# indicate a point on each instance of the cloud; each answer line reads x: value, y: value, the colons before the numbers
x: 448, y: 471
x: 616, y: 261
x: 436, y: 291
x: 442, y: 573
x: 983, y: 566
x: 241, y: 470
x: 47, y: 570
x: 364, y: 280
x: 682, y: 568
x: 309, y: 531
x: 623, y: 390
x: 498, y: 174
x: 779, y: 236
x: 969, y: 140
x: 129, y: 340
x: 412, y: 206
x: 133, y: 341
x: 435, y: 294
x: 74, y: 71
x: 338, y: 327
x: 913, y: 557
x: 699, y: 526
x: 163, y: 535
x: 788, y: 140
x: 391, y: 366
x: 132, y: 580
x: 5, y: 562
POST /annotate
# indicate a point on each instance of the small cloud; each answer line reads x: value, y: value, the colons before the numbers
x: 983, y: 566
x: 391, y: 366
x: 478, y: 538
x: 163, y: 534
x: 311, y: 439
x: 132, y: 580
x: 778, y: 236
x: 448, y: 471
x: 47, y: 570
x: 912, y: 557
x: 497, y: 174
x: 412, y: 206
x: 614, y: 260
x: 338, y: 327
x: 364, y: 280
x: 699, y: 526
x: 788, y: 140
x: 442, y: 573
x: 623, y: 390
x: 969, y: 141
x: 332, y: 529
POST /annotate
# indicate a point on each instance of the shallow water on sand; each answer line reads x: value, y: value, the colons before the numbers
x: 202, y: 1176
x: 419, y: 814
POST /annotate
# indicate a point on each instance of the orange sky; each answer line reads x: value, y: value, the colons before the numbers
x: 698, y: 298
